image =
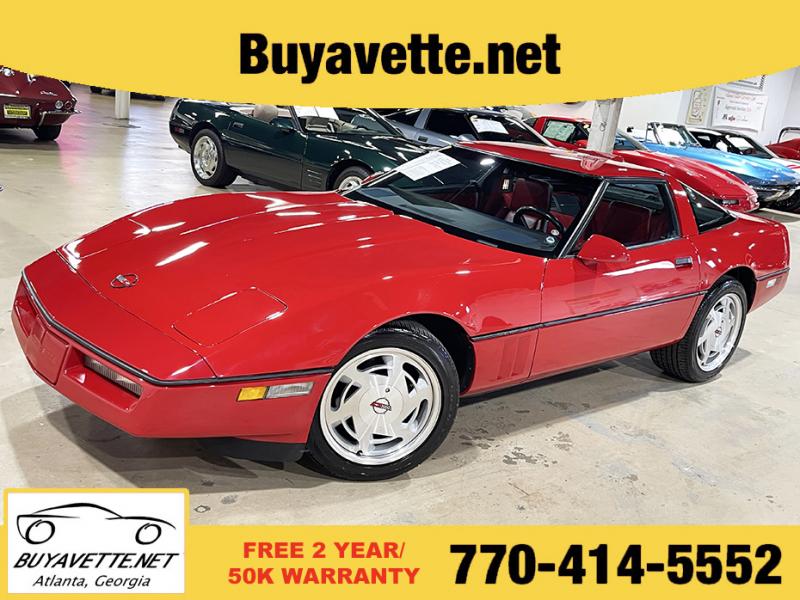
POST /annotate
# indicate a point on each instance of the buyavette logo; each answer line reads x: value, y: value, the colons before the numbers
x: 95, y: 542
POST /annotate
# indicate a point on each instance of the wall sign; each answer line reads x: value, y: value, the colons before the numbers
x: 699, y: 103
x: 739, y: 109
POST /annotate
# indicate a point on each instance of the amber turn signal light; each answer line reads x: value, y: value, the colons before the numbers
x: 274, y: 391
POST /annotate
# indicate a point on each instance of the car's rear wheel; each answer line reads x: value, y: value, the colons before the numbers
x: 350, y: 178
x: 712, y: 337
x: 47, y: 133
x: 208, y: 160
x: 388, y: 405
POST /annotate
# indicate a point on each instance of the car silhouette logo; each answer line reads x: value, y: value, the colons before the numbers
x: 40, y: 526
x: 125, y: 280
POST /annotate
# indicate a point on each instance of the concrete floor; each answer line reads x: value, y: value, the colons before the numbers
x: 618, y: 443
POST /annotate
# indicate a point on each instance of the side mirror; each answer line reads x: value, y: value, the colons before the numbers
x: 582, y: 143
x: 602, y: 249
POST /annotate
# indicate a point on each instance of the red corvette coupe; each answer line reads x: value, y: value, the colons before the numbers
x: 348, y: 325
x: 34, y: 102
x: 721, y: 186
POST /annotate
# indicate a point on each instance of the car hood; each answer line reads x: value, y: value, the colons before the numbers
x: 395, y: 148
x: 706, y: 178
x: 211, y: 267
x: 33, y: 87
x: 794, y: 165
x: 749, y: 168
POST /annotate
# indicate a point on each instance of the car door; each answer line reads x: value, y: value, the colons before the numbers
x: 270, y: 150
x: 594, y: 311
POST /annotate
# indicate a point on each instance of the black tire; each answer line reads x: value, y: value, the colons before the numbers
x: 223, y: 175
x: 680, y: 359
x: 790, y: 204
x: 350, y: 172
x: 95, y: 90
x: 413, y: 337
x: 47, y: 133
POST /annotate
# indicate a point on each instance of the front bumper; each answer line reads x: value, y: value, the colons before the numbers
x: 172, y: 410
x: 770, y: 194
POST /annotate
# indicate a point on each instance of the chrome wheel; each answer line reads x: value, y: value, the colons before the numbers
x: 205, y: 157
x: 720, y: 332
x: 349, y: 183
x: 380, y: 406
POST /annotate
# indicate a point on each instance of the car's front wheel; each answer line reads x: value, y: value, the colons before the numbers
x: 790, y: 204
x: 208, y: 161
x: 712, y: 337
x: 387, y: 407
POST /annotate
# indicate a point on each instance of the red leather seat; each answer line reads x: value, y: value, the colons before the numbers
x: 626, y: 223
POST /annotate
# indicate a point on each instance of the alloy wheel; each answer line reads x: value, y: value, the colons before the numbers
x: 205, y: 157
x: 720, y: 332
x: 380, y: 406
x: 349, y: 183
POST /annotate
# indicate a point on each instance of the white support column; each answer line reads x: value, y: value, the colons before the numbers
x: 605, y: 122
x: 122, y: 105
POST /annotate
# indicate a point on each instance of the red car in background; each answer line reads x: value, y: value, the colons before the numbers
x: 716, y: 183
x: 34, y: 102
x: 788, y: 144
x: 349, y: 324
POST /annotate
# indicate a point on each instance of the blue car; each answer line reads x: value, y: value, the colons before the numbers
x: 772, y: 181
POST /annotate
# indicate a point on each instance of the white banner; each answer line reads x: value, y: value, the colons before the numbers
x: 741, y: 110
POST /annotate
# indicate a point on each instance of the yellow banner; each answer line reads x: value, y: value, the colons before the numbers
x: 616, y: 562
x: 538, y: 52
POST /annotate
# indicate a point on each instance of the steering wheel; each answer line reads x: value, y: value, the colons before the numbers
x: 522, y: 210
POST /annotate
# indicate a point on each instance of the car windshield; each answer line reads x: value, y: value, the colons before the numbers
x: 670, y: 134
x: 625, y: 142
x: 323, y: 119
x: 487, y: 198
x: 789, y: 133
x: 501, y: 128
x: 740, y: 144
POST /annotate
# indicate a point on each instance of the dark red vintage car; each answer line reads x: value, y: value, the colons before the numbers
x: 34, y: 102
x: 349, y: 325
x: 788, y: 144
x: 708, y: 179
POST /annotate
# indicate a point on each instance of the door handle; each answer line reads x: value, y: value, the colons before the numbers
x: 684, y: 261
x: 423, y: 138
x: 237, y: 125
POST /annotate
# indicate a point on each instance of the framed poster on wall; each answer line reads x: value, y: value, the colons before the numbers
x: 739, y: 109
x: 699, y: 103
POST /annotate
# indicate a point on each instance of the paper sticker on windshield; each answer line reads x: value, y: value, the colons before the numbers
x: 483, y: 125
x: 316, y: 111
x: 427, y: 164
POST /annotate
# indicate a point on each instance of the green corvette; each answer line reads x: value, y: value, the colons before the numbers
x: 296, y: 147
